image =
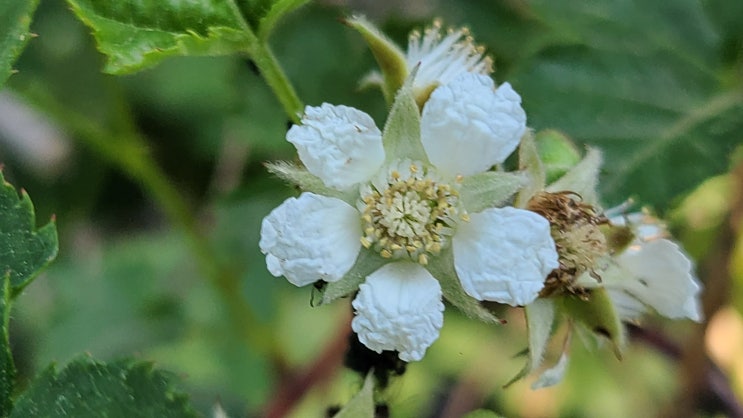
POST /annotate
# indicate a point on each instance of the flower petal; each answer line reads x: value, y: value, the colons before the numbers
x: 443, y: 56
x: 339, y: 144
x: 661, y: 277
x: 311, y: 238
x: 467, y: 126
x: 399, y: 308
x: 504, y: 255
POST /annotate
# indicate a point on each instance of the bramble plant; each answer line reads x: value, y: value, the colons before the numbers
x: 437, y: 221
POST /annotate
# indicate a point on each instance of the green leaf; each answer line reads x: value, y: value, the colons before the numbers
x: 277, y: 11
x: 7, y: 369
x: 86, y: 388
x: 24, y: 250
x: 402, y: 132
x: 137, y: 35
x: 362, y: 404
x: 648, y: 89
x: 15, y: 18
x: 490, y: 189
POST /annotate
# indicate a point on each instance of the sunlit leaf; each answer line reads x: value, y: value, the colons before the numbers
x: 87, y: 388
x: 15, y: 18
x: 137, y: 35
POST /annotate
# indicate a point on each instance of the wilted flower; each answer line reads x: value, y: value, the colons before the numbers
x: 409, y: 212
x: 652, y: 271
x: 611, y: 268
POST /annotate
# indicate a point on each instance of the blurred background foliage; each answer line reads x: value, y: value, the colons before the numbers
x: 657, y: 85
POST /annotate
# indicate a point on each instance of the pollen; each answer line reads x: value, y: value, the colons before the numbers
x: 410, y: 214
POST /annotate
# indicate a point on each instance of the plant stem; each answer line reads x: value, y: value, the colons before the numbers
x: 277, y: 80
x: 123, y: 147
x: 270, y: 69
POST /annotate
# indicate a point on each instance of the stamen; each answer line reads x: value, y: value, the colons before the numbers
x: 410, y: 215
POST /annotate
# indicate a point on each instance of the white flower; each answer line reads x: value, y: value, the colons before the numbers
x: 443, y: 58
x: 403, y: 198
x: 439, y: 56
x: 652, y: 272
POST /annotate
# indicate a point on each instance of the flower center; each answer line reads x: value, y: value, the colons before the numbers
x: 409, y: 214
x: 576, y: 228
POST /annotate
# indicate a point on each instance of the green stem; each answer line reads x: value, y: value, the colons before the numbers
x: 124, y: 147
x: 270, y: 69
x: 277, y: 80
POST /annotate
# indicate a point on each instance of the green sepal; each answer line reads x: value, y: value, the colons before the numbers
x: 366, y: 263
x: 490, y: 189
x: 557, y: 152
x: 362, y: 403
x: 554, y: 374
x: 442, y: 268
x: 308, y: 182
x: 531, y: 164
x: 540, y: 318
x: 390, y: 58
x: 7, y: 368
x: 582, y: 179
x: 597, y: 313
x: 402, y: 132
x: 24, y: 250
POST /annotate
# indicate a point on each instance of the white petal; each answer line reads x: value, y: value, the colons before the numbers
x: 467, y: 126
x: 443, y: 57
x: 339, y: 144
x: 504, y: 255
x: 311, y: 238
x: 399, y: 308
x: 661, y: 277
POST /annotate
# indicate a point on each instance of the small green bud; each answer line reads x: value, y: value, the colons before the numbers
x: 390, y: 58
x: 557, y: 152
